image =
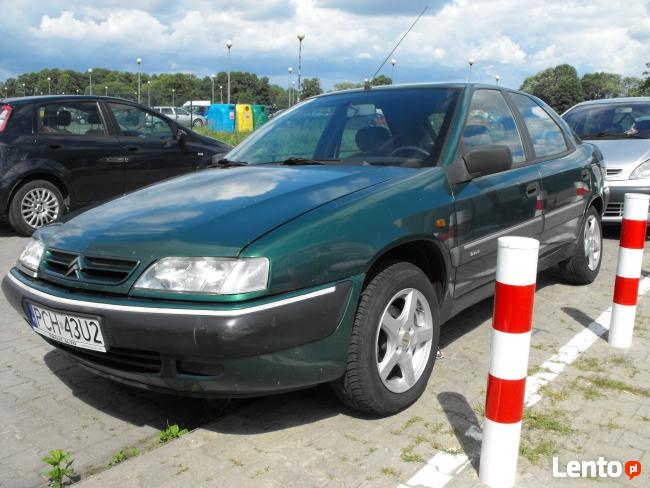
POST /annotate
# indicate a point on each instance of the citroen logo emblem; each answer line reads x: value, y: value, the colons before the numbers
x: 74, y: 267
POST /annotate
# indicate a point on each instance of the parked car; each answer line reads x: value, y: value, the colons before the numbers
x: 329, y: 246
x: 620, y: 128
x: 182, y: 116
x: 58, y: 153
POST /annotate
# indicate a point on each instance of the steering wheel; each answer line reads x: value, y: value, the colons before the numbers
x: 409, y: 149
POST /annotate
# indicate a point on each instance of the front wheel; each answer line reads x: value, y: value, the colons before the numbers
x: 393, y: 342
x: 583, y: 267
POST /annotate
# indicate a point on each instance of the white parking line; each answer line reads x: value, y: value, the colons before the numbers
x: 442, y: 467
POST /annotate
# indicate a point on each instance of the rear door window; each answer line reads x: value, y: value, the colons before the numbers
x: 72, y: 118
x: 545, y: 134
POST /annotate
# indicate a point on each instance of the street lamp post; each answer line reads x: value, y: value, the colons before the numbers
x: 173, y: 97
x: 24, y: 91
x: 49, y: 85
x: 470, y: 61
x: 148, y: 93
x: 106, y: 90
x: 497, y: 78
x: 212, y: 81
x: 301, y: 37
x: 290, y: 82
x: 228, y: 45
x: 90, y: 75
x: 139, y: 62
x: 221, y: 93
x: 393, y: 62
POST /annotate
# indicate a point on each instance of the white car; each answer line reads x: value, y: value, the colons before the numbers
x: 182, y: 116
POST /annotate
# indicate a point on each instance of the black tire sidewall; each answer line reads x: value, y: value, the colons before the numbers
x: 15, y: 216
x: 394, y: 279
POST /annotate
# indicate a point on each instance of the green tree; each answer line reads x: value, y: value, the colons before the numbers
x: 560, y: 87
x: 631, y: 86
x: 601, y: 85
x: 346, y: 85
x: 310, y: 88
x: 381, y: 80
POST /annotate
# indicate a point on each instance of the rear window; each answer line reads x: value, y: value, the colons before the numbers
x: 72, y: 118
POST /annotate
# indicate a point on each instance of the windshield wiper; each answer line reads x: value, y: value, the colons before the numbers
x: 304, y: 161
x: 226, y: 163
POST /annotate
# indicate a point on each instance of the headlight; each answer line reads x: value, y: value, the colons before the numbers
x: 642, y: 171
x: 31, y: 256
x: 220, y: 276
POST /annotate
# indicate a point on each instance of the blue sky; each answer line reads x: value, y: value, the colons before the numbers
x: 345, y: 39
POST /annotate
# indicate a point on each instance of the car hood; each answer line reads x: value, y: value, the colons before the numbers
x: 214, y: 212
x: 624, y: 154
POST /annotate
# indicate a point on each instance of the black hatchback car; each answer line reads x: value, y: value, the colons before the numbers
x: 58, y: 153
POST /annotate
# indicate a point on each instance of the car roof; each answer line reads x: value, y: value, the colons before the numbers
x: 59, y: 98
x: 603, y: 101
x: 460, y: 85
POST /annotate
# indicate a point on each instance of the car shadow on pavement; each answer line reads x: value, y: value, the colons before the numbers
x: 465, y: 424
x: 6, y: 230
x: 134, y: 405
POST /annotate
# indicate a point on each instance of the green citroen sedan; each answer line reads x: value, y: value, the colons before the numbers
x: 329, y: 246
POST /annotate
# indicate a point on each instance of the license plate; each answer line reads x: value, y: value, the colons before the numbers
x: 73, y: 330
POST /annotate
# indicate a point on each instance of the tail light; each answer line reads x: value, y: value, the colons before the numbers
x: 5, y: 113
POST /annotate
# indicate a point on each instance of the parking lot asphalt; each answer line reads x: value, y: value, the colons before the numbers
x: 599, y: 405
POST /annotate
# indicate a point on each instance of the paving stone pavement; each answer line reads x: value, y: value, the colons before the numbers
x: 307, y: 439
x: 48, y: 402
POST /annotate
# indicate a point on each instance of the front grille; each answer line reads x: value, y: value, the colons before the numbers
x: 129, y: 360
x: 613, y: 171
x: 91, y: 269
x: 614, y: 209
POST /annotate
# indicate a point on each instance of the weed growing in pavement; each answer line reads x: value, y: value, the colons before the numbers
x: 236, y: 462
x: 123, y: 455
x: 535, y: 452
x: 554, y: 396
x: 552, y: 421
x: 171, y: 432
x: 588, y: 390
x: 617, y: 385
x: 391, y: 472
x: 435, y: 428
x: 412, y: 421
x: 407, y: 452
x: 59, y: 462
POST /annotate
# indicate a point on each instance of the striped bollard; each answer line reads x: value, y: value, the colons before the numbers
x: 511, y: 330
x: 628, y: 271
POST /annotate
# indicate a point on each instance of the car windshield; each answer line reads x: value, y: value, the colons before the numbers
x: 618, y: 120
x: 390, y: 127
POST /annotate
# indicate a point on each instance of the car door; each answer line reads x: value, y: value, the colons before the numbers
x: 494, y: 205
x: 150, y: 147
x: 566, y: 187
x: 76, y: 134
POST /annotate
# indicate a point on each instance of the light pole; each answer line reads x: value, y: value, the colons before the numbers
x: 139, y: 62
x: 301, y: 37
x: 228, y: 45
x: 90, y: 75
x: 24, y: 91
x: 470, y: 61
x: 77, y: 91
x: 212, y: 81
x: 49, y: 85
x: 289, y: 89
x: 221, y: 93
x: 136, y: 95
x: 148, y: 93
x: 106, y: 90
x: 173, y: 97
x: 393, y: 62
x: 497, y: 78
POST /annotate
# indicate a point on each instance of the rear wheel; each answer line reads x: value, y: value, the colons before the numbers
x: 197, y: 123
x: 393, y: 342
x: 35, y: 204
x: 583, y: 267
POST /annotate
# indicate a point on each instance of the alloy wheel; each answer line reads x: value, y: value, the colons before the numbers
x: 592, y: 242
x: 39, y: 207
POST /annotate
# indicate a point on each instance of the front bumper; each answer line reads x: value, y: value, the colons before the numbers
x: 618, y: 189
x: 279, y: 344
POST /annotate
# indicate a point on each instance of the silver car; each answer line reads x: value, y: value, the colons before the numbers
x: 182, y: 116
x: 620, y: 128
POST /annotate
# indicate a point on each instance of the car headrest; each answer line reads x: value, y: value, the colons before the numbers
x: 49, y: 118
x: 371, y: 138
x: 64, y: 118
x: 93, y: 118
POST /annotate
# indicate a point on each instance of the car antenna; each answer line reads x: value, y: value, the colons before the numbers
x: 399, y: 42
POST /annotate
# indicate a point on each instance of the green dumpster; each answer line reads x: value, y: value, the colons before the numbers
x: 260, y: 115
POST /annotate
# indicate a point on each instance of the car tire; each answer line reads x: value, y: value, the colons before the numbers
x: 197, y: 123
x: 583, y: 267
x: 34, y: 204
x: 371, y: 348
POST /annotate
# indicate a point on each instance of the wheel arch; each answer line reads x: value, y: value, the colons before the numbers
x: 40, y: 175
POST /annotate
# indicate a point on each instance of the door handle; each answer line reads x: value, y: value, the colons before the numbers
x: 132, y: 148
x: 54, y: 146
x: 585, y: 175
x: 532, y: 189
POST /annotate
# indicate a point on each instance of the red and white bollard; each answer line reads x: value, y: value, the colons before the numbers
x: 511, y: 330
x: 628, y: 271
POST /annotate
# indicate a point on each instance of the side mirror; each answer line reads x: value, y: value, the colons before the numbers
x: 487, y: 160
